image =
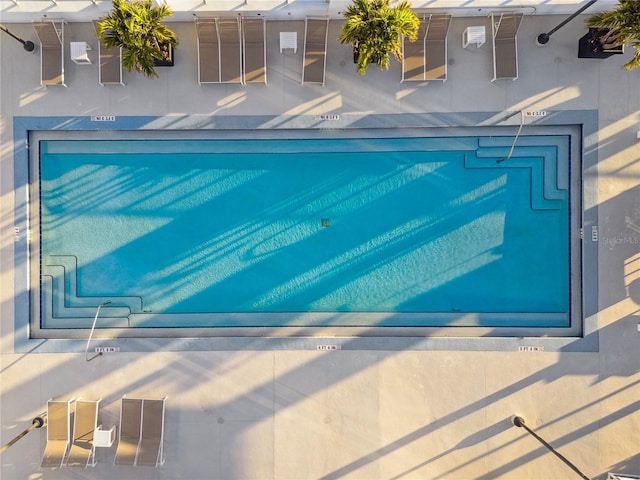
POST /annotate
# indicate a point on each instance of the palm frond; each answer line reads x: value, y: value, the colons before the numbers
x: 136, y: 26
x: 635, y: 61
x: 625, y: 22
x: 376, y: 29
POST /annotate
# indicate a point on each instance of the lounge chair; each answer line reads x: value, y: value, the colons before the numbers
x: 82, y: 451
x: 505, y: 45
x: 315, y: 50
x: 208, y: 51
x: 254, y: 50
x: 426, y: 58
x: 230, y: 36
x: 58, y: 433
x: 109, y: 64
x: 413, y: 55
x: 219, y: 50
x: 150, y: 451
x: 51, y: 36
x: 129, y: 432
x: 436, y: 47
x: 141, y: 438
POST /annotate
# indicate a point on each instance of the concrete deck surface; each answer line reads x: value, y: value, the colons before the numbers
x: 361, y: 414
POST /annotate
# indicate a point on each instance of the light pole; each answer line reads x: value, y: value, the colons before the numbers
x: 36, y: 423
x: 28, y: 45
x: 543, y: 38
x: 518, y: 421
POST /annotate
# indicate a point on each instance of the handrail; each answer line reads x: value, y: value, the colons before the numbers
x: 513, y: 146
x: 86, y: 350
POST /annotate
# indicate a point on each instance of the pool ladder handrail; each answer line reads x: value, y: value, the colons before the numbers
x: 513, y: 145
x: 95, y: 320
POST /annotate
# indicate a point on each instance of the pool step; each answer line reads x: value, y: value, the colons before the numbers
x: 548, y: 167
x: 60, y: 298
x: 559, y: 142
x: 56, y: 315
x: 546, y: 163
x: 538, y: 201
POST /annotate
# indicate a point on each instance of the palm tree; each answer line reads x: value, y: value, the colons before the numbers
x: 623, y: 24
x: 375, y: 30
x: 136, y: 26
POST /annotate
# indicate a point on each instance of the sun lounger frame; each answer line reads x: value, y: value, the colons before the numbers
x: 436, y: 56
x: 254, y: 51
x: 208, y: 50
x: 230, y: 43
x: 109, y: 63
x: 314, y: 58
x: 51, y: 36
x: 426, y: 58
x: 413, y: 54
x: 219, y: 50
x: 504, y: 43
x: 150, y: 450
x: 129, y: 431
x: 82, y: 451
x: 58, y: 433
x: 140, y: 439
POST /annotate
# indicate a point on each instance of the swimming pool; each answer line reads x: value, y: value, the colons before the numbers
x: 404, y: 231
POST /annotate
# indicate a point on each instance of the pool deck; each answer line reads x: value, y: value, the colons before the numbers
x: 382, y: 408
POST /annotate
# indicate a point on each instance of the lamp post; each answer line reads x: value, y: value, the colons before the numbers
x: 36, y: 423
x: 519, y: 422
x: 543, y: 38
x: 28, y: 45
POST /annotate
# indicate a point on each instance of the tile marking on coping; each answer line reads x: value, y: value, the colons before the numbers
x: 107, y: 349
x: 530, y: 349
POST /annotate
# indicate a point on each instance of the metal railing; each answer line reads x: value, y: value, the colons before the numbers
x: 93, y: 327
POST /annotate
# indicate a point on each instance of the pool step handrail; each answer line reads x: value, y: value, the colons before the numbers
x: 93, y: 327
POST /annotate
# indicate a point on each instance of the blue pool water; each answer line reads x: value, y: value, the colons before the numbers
x: 179, y: 229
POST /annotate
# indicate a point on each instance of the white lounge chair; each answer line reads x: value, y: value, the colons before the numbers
x: 436, y: 47
x: 413, y: 55
x: 109, y: 64
x: 85, y: 422
x: 208, y: 51
x: 51, y: 36
x: 219, y: 50
x: 141, y: 438
x: 150, y: 451
x: 426, y: 57
x: 254, y: 50
x: 315, y: 50
x: 230, y: 35
x: 58, y: 433
x: 504, y: 41
x: 129, y: 432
